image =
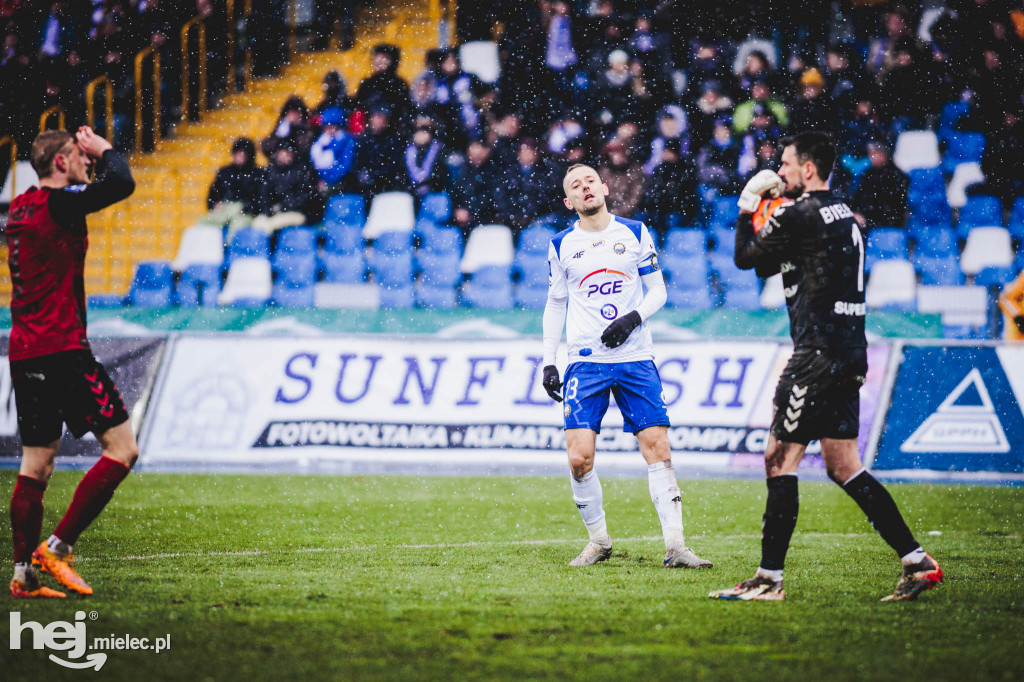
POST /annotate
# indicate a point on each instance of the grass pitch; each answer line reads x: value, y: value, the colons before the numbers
x: 336, y: 578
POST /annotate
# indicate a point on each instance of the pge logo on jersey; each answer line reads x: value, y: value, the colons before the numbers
x: 604, y: 288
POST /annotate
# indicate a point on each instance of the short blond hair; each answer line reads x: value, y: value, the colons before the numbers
x: 45, y: 147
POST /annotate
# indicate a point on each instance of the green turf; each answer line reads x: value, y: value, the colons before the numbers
x: 490, y: 595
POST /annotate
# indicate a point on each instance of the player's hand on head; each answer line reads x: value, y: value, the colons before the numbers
x: 91, y: 144
x: 552, y: 383
x: 619, y: 330
x: 766, y: 182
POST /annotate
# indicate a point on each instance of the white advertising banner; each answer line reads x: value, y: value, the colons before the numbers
x: 236, y: 399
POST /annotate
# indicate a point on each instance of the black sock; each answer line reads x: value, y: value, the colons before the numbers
x: 780, y: 513
x: 876, y: 502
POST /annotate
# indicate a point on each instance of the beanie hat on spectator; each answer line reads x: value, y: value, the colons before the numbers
x: 332, y: 116
x: 812, y: 77
x: 244, y: 144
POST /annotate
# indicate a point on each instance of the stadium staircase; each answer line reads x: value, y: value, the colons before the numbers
x: 172, y: 182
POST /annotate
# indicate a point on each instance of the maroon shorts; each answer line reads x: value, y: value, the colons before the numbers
x: 69, y: 388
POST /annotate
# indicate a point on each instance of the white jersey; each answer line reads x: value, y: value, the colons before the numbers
x: 599, y: 272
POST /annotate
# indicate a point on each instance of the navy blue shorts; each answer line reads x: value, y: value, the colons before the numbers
x: 637, y: 390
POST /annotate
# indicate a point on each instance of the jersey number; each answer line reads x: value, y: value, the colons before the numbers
x: 570, y: 388
x: 858, y: 241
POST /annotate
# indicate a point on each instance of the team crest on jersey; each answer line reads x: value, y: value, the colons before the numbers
x: 619, y: 248
x: 609, y: 312
x: 654, y: 263
x: 76, y: 188
x: 596, y: 244
x: 567, y: 410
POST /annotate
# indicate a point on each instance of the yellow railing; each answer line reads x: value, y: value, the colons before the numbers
x: 90, y: 104
x: 152, y: 52
x: 9, y: 140
x: 233, y: 42
x: 186, y: 70
x: 47, y: 114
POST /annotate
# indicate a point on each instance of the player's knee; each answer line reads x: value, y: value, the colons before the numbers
x: 125, y: 454
x: 580, y: 463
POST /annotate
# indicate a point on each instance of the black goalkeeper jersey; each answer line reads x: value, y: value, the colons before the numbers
x: 817, y: 245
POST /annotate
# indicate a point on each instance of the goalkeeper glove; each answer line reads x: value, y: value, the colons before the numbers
x: 765, y: 182
x: 552, y: 384
x: 619, y: 330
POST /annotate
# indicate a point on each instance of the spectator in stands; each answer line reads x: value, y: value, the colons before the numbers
x: 292, y: 129
x: 711, y: 105
x: 503, y: 137
x: 844, y: 85
x: 333, y: 153
x: 862, y: 127
x: 290, y: 195
x: 760, y: 93
x: 380, y: 165
x: 881, y: 195
x: 756, y: 68
x: 238, y: 189
x: 913, y: 89
x: 997, y: 88
x: 672, y: 130
x: 766, y: 158
x: 813, y: 110
x: 707, y: 64
x: 560, y: 57
x: 326, y: 13
x: 473, y: 189
x: 671, y: 195
x: 461, y: 95
x: 336, y: 96
x: 529, y: 188
x: 385, y: 90
x: 614, y: 94
x: 426, y: 160
x: 882, y: 53
x: 718, y: 160
x: 651, y: 45
x: 625, y: 179
x: 561, y: 133
x: 1003, y: 158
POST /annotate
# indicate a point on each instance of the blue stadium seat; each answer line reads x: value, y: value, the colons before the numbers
x: 436, y: 207
x: 342, y: 267
x: 686, y: 240
x: 994, y: 277
x: 296, y: 240
x: 929, y: 217
x: 536, y: 238
x: 937, y: 241
x: 734, y: 278
x: 199, y: 285
x: 927, y: 185
x: 979, y: 211
x: 106, y: 301
x: 343, y: 239
x: 962, y: 148
x: 951, y: 113
x: 393, y: 243
x: 397, y: 296
x: 435, y: 297
x: 444, y: 240
x: 742, y: 298
x: 686, y: 271
x: 531, y: 297
x: 288, y: 296
x: 152, y: 286
x: 532, y: 269
x: 1016, y: 224
x: 439, y: 269
x: 490, y: 288
x: 941, y: 270
x: 297, y: 270
x: 393, y: 269
x: 345, y: 209
x: 724, y: 212
x: 885, y: 243
x: 248, y: 242
x: 424, y: 229
x: 690, y: 298
x: 723, y: 238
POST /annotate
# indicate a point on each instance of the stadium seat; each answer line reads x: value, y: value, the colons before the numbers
x: 916, y: 149
x: 773, y: 296
x: 350, y: 296
x: 965, y: 175
x: 723, y: 238
x: 686, y: 241
x: 393, y: 243
x: 885, y: 243
x: 248, y: 243
x: 199, y: 285
x: 200, y: 245
x: 248, y: 283
x: 296, y: 240
x: 390, y: 212
x: 106, y: 301
x: 994, y: 277
x: 742, y: 298
x: 690, y: 298
x: 937, y: 241
x: 490, y: 287
x: 1016, y: 222
x: 342, y: 267
x: 952, y: 112
x: 392, y: 269
x: 980, y: 210
x: 958, y: 305
x: 343, y: 239
x: 480, y: 58
x: 532, y: 269
x: 724, y: 212
x: 986, y: 247
x: 152, y: 286
x: 536, y: 238
x: 926, y: 185
x: 435, y: 297
x: 962, y: 148
x: 399, y: 296
x: 892, y: 286
x: 531, y: 297
x: 488, y: 245
x: 345, y: 209
x: 436, y: 207
x: 938, y: 269
x: 439, y: 269
x: 444, y: 240
x: 686, y: 271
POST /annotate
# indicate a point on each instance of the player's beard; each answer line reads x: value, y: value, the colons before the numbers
x: 588, y: 212
x: 793, y: 191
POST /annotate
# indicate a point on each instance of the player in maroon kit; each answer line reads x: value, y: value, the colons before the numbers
x: 55, y: 377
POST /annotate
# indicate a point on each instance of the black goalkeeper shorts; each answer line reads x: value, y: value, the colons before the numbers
x: 818, y: 395
x: 71, y: 388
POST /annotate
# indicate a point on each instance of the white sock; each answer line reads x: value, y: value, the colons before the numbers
x: 586, y: 493
x: 23, y: 573
x: 774, y: 575
x: 58, y: 546
x: 668, y: 501
x: 915, y: 557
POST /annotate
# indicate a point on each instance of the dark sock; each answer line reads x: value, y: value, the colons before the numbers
x: 780, y: 512
x: 91, y: 496
x: 876, y: 502
x: 26, y: 516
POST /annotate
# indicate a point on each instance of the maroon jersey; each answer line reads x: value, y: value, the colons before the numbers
x: 46, y: 244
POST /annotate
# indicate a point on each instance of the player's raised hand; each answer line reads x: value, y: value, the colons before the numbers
x: 766, y: 182
x: 552, y: 383
x: 91, y: 144
x: 619, y: 330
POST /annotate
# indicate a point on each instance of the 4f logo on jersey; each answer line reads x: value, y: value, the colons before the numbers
x: 604, y: 288
x: 578, y: 254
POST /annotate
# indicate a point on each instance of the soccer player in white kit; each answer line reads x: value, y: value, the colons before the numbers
x: 596, y: 267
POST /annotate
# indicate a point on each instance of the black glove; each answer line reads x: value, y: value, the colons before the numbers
x: 1019, y: 320
x: 619, y: 330
x: 552, y: 384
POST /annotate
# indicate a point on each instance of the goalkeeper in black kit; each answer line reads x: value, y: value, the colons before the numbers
x: 813, y: 239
